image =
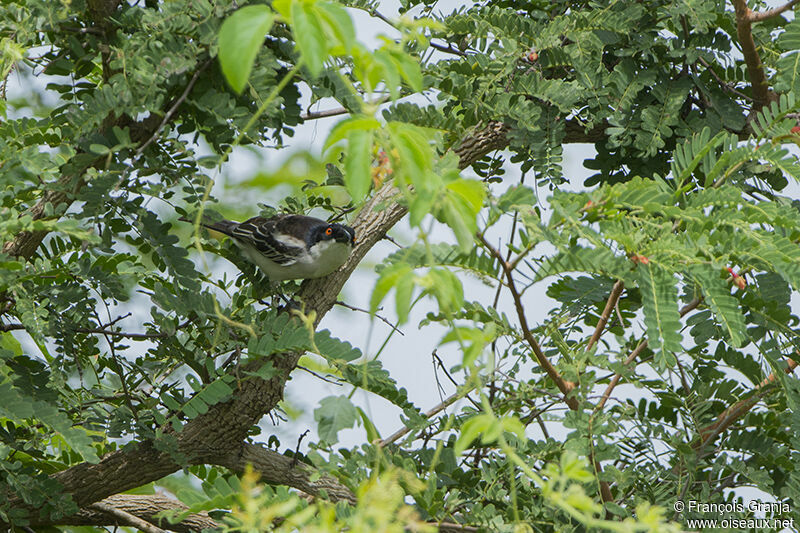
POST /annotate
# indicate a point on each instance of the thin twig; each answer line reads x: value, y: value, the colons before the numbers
x: 314, y: 115
x: 323, y: 378
x: 391, y: 240
x: 123, y: 333
x: 126, y: 518
x: 449, y: 49
x: 11, y: 327
x: 764, y: 15
x: 722, y: 83
x: 171, y: 111
x: 104, y: 331
x: 431, y: 413
x: 382, y: 319
x: 563, y: 385
x: 297, y: 449
x: 440, y: 363
x: 634, y: 354
x: 613, y: 298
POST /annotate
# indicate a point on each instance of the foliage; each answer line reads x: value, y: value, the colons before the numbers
x: 672, y: 269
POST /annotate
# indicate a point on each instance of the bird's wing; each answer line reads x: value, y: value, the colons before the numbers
x: 265, y: 235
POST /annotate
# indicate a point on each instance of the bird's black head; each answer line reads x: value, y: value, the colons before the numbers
x: 334, y: 232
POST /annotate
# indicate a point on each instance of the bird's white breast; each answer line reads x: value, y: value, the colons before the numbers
x: 327, y: 256
x: 322, y: 259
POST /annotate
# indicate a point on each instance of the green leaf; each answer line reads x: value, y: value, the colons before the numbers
x: 725, y: 307
x: 17, y: 405
x: 403, y: 293
x: 99, y: 149
x: 409, y: 68
x: 472, y: 341
x: 357, y: 175
x: 339, y: 24
x: 240, y: 38
x: 387, y: 279
x: 660, y: 302
x: 416, y: 156
x: 10, y: 343
x: 333, y: 414
x: 476, y: 426
x: 446, y: 287
x: 309, y: 35
x: 372, y: 432
x: 343, y: 129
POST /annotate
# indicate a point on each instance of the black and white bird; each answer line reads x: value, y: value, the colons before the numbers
x: 290, y: 246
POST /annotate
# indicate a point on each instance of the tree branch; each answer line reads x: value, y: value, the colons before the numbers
x: 739, y: 409
x: 277, y: 469
x: 563, y: 385
x: 142, y: 507
x: 126, y: 519
x: 755, y: 69
x: 764, y: 15
x: 611, y: 303
x: 450, y: 400
x: 634, y: 355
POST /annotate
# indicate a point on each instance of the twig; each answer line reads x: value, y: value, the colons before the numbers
x: 764, y: 15
x: 448, y: 527
x: 378, y: 14
x: 126, y: 518
x: 433, y: 412
x: 323, y: 378
x: 382, y: 319
x: 314, y: 115
x: 438, y: 361
x: 613, y: 298
x: 297, y: 449
x: 449, y: 49
x: 11, y: 327
x: 739, y: 409
x: 120, y: 317
x: 634, y: 354
x: 722, y: 83
x: 564, y: 386
x: 755, y: 70
x: 391, y: 240
x: 171, y: 111
x: 123, y: 333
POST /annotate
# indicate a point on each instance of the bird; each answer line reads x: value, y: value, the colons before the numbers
x: 288, y: 246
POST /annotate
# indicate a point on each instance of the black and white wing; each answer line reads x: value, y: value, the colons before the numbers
x: 266, y: 236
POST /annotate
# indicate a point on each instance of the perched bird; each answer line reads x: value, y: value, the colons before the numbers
x: 290, y: 246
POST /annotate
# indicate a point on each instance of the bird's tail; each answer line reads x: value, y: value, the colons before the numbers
x: 225, y: 227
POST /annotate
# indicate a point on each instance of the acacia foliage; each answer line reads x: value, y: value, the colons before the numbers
x: 672, y: 271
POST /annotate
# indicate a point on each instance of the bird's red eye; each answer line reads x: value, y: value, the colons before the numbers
x: 329, y: 231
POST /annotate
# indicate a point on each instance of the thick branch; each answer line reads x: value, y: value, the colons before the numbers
x: 142, y: 507
x: 125, y: 518
x: 755, y: 70
x: 277, y: 469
